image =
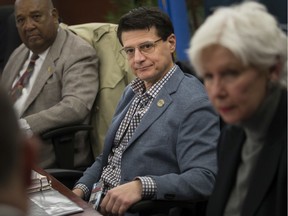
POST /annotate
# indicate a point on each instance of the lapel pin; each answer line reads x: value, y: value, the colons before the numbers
x: 49, y: 69
x: 160, y: 103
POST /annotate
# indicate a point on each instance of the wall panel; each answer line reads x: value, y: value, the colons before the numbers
x: 79, y: 11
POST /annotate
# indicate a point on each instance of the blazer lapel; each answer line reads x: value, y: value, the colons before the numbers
x: 120, y: 113
x: 266, y: 166
x: 14, y: 69
x: 47, y: 69
x: 233, y: 139
x: 157, y: 108
x: 268, y: 160
x: 159, y: 105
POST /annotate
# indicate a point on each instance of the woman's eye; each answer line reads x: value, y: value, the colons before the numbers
x: 207, y: 77
x: 231, y: 73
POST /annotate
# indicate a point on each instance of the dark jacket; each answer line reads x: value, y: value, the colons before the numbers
x: 267, y: 193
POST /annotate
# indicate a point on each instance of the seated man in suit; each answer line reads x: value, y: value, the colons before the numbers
x: 17, y: 157
x: 162, y: 140
x: 60, y: 83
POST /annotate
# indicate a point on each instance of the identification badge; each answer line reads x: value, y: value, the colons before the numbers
x: 96, y: 194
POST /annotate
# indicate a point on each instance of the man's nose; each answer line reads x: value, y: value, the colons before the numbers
x: 29, y: 24
x: 138, y: 56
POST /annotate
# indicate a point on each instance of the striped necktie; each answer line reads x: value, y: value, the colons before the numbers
x: 23, y: 82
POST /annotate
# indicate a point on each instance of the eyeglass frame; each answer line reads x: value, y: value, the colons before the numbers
x: 140, y: 48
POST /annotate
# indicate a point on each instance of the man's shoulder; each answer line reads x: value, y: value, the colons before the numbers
x: 19, y: 50
x: 20, y: 53
x: 192, y: 87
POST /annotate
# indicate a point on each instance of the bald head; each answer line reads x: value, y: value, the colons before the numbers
x: 46, y: 3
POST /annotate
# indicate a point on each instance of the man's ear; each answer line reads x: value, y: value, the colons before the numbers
x: 55, y: 14
x: 30, y: 151
x: 172, y: 42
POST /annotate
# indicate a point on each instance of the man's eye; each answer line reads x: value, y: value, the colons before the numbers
x: 146, y: 46
x: 129, y: 51
x: 36, y: 17
x: 19, y: 21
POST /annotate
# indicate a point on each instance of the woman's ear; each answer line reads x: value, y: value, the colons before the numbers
x: 275, y: 70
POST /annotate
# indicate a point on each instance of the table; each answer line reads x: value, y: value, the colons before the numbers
x: 88, y: 210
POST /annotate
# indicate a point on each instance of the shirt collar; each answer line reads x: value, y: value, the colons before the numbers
x: 42, y: 55
x: 138, y: 85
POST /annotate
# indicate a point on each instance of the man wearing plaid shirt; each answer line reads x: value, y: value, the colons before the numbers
x: 162, y: 140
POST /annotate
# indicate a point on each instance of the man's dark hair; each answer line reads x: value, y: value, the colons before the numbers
x: 9, y: 138
x: 146, y: 18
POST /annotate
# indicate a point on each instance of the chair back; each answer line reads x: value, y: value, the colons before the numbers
x: 114, y: 76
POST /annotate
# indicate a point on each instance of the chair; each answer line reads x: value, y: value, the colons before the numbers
x: 171, y: 208
x: 114, y: 75
x: 63, y: 139
x: 9, y: 37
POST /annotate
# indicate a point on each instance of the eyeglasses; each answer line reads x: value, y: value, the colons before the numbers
x: 145, y: 48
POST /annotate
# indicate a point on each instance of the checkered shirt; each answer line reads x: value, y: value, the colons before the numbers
x: 140, y: 105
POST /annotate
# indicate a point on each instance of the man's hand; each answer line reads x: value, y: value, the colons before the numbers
x: 78, y: 192
x: 120, y: 198
x: 23, y: 124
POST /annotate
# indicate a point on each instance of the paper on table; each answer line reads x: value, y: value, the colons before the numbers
x: 54, y: 203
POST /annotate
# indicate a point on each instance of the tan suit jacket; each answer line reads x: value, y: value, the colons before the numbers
x: 63, y: 93
x: 114, y: 74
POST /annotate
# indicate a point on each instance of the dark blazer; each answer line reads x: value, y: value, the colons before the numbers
x: 267, y: 194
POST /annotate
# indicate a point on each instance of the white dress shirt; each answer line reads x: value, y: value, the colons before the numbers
x: 19, y: 103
